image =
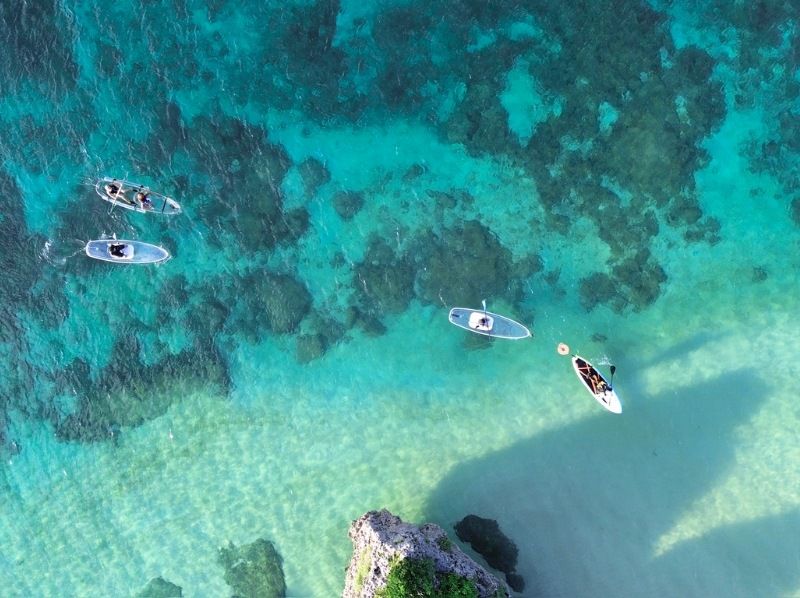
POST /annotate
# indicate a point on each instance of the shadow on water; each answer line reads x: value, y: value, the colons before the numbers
x: 680, y: 350
x: 588, y: 504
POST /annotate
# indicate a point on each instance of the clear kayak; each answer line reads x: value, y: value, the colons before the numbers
x: 487, y: 323
x: 134, y: 196
x: 126, y: 252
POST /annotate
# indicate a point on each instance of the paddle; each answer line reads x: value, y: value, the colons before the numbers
x: 613, y: 370
x: 115, y: 198
x: 485, y: 317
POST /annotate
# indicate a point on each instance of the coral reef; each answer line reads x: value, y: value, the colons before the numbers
x: 159, y: 587
x: 129, y: 392
x: 253, y: 570
x: 384, y: 280
x: 462, y: 266
x: 314, y: 175
x: 634, y: 282
x: 371, y: 325
x: 283, y: 300
x: 239, y: 159
x: 395, y: 559
x: 310, y: 347
x: 22, y: 288
x: 39, y: 36
x: 348, y: 203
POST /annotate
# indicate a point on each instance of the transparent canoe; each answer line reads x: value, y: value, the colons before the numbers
x: 487, y: 323
x: 136, y: 197
x: 121, y: 251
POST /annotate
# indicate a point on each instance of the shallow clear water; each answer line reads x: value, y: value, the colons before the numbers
x: 618, y: 176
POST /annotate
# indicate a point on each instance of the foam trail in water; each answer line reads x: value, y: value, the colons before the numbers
x: 47, y: 253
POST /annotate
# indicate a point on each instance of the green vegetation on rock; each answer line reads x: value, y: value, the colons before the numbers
x: 444, y: 543
x: 417, y: 578
x: 364, y: 565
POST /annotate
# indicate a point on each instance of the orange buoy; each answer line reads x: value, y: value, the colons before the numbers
x: 563, y: 349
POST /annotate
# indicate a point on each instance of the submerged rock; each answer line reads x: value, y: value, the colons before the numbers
x: 486, y: 539
x: 310, y: 347
x: 253, y: 570
x: 384, y: 280
x: 348, y: 203
x: 314, y: 175
x: 128, y: 392
x: 158, y: 587
x: 462, y: 265
x: 400, y: 559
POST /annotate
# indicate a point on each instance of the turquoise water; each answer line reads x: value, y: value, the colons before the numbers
x: 619, y: 176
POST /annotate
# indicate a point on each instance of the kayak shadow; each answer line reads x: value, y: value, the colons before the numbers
x: 590, y: 504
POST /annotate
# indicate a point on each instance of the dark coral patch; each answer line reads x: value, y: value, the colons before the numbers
x: 597, y: 289
x: 795, y: 210
x: 635, y: 282
x: 158, y: 587
x: 308, y: 71
x: 247, y: 171
x: 310, y: 347
x: 462, y: 266
x: 314, y: 174
x: 37, y: 36
x: 372, y: 326
x: 254, y: 569
x: 695, y: 64
x: 129, y: 392
x: 274, y: 302
x: 641, y: 279
x: 348, y: 203
x: 384, y: 280
x: 22, y: 289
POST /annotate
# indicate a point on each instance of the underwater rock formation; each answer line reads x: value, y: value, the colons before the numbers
x: 314, y: 175
x: 22, y: 290
x: 285, y: 301
x: 391, y: 555
x: 348, y: 203
x: 486, y: 539
x: 254, y: 304
x: 384, y: 280
x: 371, y: 325
x: 128, y: 392
x: 253, y: 570
x: 462, y: 265
x: 158, y: 587
x: 310, y: 347
x: 39, y: 36
x: 246, y: 172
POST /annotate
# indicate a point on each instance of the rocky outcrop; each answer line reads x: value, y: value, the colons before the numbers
x: 499, y: 550
x: 388, y: 552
